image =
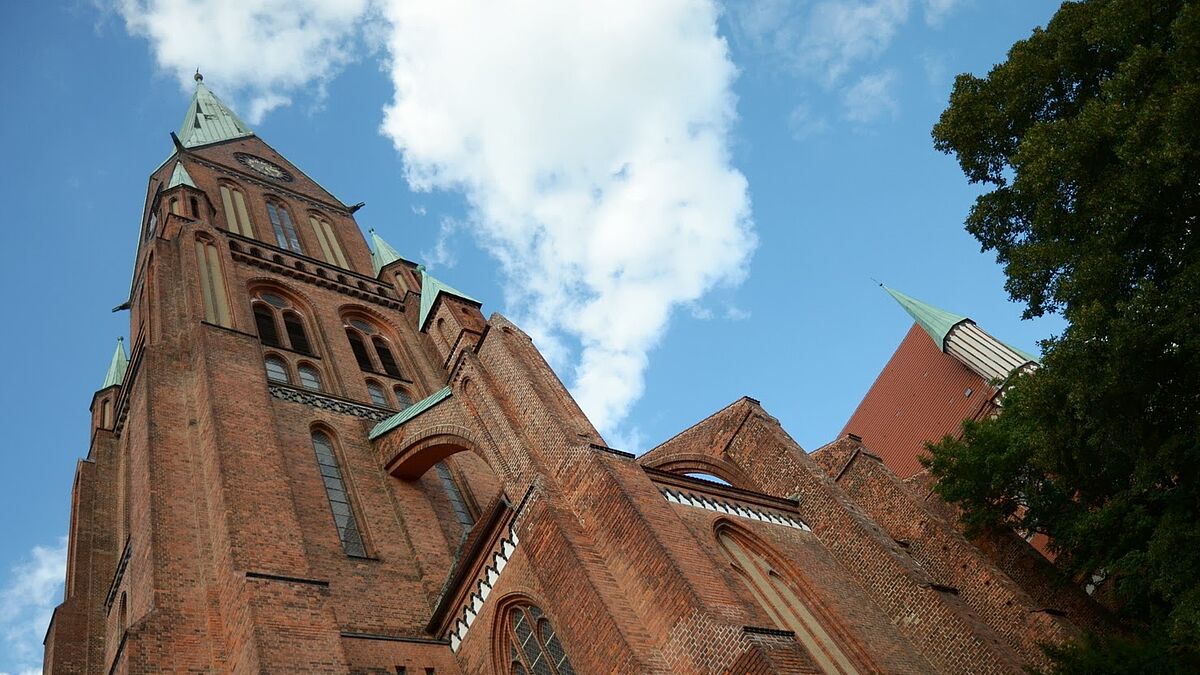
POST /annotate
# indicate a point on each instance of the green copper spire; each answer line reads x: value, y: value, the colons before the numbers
x: 430, y: 289
x: 208, y: 120
x: 116, y: 369
x: 382, y: 254
x: 180, y: 176
x: 937, y: 322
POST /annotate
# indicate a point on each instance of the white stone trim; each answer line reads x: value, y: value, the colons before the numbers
x: 732, y: 508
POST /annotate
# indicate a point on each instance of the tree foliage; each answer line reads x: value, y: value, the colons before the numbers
x: 1087, y: 141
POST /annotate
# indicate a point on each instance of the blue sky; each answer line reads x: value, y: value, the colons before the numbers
x: 683, y: 202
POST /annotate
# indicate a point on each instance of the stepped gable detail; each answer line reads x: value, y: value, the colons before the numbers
x: 315, y: 457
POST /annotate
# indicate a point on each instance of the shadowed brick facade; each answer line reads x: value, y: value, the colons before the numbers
x: 225, y: 521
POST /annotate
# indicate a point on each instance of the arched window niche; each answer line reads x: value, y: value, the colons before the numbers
x: 345, y: 519
x: 233, y: 204
x: 281, y: 222
x: 376, y: 352
x: 212, y: 283
x: 526, y: 641
x: 280, y: 320
x: 788, y: 601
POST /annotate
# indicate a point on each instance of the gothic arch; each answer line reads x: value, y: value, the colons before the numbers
x: 390, y: 331
x: 542, y: 637
x: 694, y: 462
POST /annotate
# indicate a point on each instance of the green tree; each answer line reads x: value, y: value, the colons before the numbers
x: 1087, y: 142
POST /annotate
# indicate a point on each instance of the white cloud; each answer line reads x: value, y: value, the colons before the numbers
x: 936, y: 11
x: 26, y: 603
x: 804, y: 123
x: 262, y: 49
x: 591, y: 142
x: 871, y: 97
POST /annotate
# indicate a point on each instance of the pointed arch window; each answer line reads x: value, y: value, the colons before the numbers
x: 385, y: 356
x: 339, y: 499
x: 294, y: 326
x: 378, y: 397
x: 372, y: 350
x: 532, y: 645
x: 310, y: 377
x: 327, y: 240
x: 285, y: 232
x: 237, y: 217
x: 212, y: 284
x: 781, y: 600
x: 403, y: 400
x: 360, y: 350
x: 264, y: 321
x: 277, y: 370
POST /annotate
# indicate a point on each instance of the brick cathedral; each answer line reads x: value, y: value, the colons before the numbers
x: 317, y: 457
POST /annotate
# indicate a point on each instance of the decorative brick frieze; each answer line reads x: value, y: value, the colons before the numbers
x: 330, y: 403
x: 730, y: 507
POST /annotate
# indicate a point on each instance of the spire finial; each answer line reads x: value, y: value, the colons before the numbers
x: 198, y: 77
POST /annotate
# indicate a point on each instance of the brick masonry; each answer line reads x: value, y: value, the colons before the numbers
x: 202, y: 538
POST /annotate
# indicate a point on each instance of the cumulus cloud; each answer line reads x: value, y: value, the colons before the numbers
x: 591, y: 142
x: 259, y: 50
x: 871, y: 97
x: 26, y: 602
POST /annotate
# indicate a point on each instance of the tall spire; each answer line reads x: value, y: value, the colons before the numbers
x: 382, y: 254
x: 430, y: 289
x: 208, y: 120
x: 116, y: 369
x: 936, y: 321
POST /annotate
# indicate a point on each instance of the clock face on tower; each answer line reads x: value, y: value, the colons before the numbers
x: 264, y: 167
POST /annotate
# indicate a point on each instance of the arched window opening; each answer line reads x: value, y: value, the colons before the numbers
x: 532, y: 645
x: 264, y: 321
x: 403, y: 400
x: 195, y: 207
x: 106, y: 414
x: 783, y: 603
x: 174, y: 205
x: 310, y: 377
x: 285, y: 232
x: 328, y: 241
x: 295, y: 332
x: 378, y: 397
x: 212, y: 284
x: 461, y: 512
x: 237, y: 217
x: 339, y: 498
x: 360, y: 350
x: 277, y: 370
x: 385, y: 356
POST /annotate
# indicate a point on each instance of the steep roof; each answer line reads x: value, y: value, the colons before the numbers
x: 937, y: 322
x: 180, y: 176
x: 208, y: 120
x: 430, y: 289
x: 382, y: 254
x: 410, y: 412
x: 117, y: 367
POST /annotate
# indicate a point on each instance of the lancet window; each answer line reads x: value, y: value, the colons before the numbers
x: 237, y: 217
x: 271, y: 310
x: 285, y: 231
x: 339, y: 498
x: 212, y: 284
x: 327, y: 240
x: 372, y: 350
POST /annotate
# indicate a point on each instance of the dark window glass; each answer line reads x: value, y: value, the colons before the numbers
x: 195, y: 207
x: 363, y: 326
x: 295, y: 332
x: 272, y: 299
x: 403, y: 400
x: 309, y: 377
x: 461, y: 512
x: 335, y: 490
x: 285, y: 233
x: 377, y: 396
x: 538, y: 652
x: 385, y: 356
x: 264, y: 320
x: 360, y: 350
x: 277, y: 370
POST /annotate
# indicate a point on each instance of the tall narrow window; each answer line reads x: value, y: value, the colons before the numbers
x: 264, y: 321
x: 327, y: 240
x: 106, y: 414
x: 377, y: 396
x: 359, y: 349
x: 277, y: 370
x: 461, y: 513
x: 212, y: 284
x: 385, y: 356
x: 285, y: 232
x: 310, y: 378
x: 339, y: 499
x: 533, y: 645
x: 236, y: 214
x: 295, y: 332
x: 195, y: 207
x: 784, y: 604
x: 174, y: 206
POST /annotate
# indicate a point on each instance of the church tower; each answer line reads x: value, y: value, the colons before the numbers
x: 314, y: 456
